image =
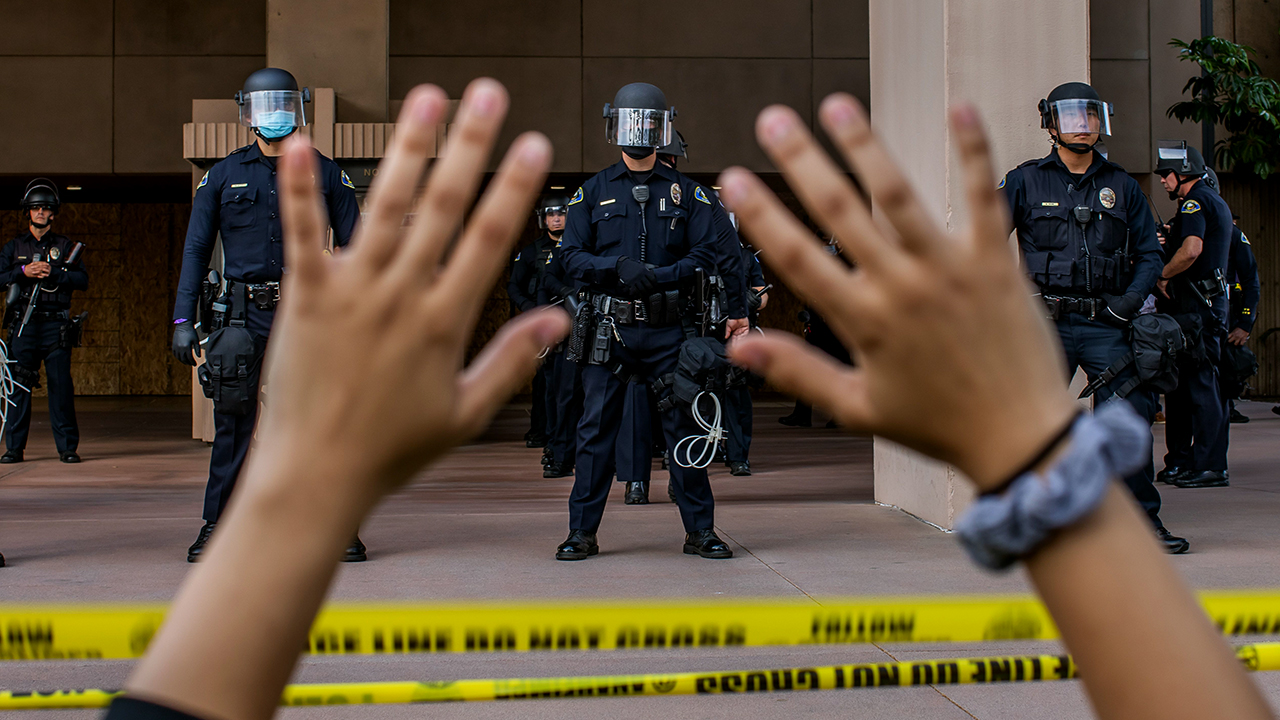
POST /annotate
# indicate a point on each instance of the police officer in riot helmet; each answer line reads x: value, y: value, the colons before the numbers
x: 236, y: 201
x: 1089, y: 245
x: 1193, y: 284
x: 41, y: 269
x: 525, y: 280
x: 635, y: 232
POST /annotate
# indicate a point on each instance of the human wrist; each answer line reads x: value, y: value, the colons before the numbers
x: 998, y: 452
x: 313, y: 486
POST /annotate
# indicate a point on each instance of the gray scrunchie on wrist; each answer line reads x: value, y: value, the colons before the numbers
x: 998, y: 530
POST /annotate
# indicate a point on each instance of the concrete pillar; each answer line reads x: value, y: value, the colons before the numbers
x: 339, y: 44
x: 925, y: 56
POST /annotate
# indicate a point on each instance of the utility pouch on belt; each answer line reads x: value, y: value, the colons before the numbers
x: 602, y: 341
x: 1157, y: 342
x: 576, y: 346
x: 229, y: 375
x: 71, y: 333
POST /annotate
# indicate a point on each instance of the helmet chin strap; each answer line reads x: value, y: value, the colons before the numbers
x: 273, y: 141
x: 42, y: 225
x: 1077, y: 148
x: 555, y: 234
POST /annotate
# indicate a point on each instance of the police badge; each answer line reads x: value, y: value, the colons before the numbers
x: 1107, y: 197
x: 675, y: 193
x: 54, y: 253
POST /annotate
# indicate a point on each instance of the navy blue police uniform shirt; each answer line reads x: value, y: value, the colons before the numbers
x: 1203, y: 214
x: 238, y: 199
x: 1242, y: 273
x: 729, y: 261
x: 62, y: 278
x: 1133, y: 211
x: 603, y: 224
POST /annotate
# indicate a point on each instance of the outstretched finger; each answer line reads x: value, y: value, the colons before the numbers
x: 788, y: 245
x: 484, y: 248
x: 504, y: 365
x: 396, y: 184
x: 846, y: 122
x: 301, y: 216
x: 988, y: 210
x: 822, y: 186
x: 799, y: 370
x: 455, y: 177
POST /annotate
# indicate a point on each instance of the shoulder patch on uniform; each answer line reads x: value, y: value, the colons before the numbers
x: 347, y: 181
x: 700, y: 195
x: 577, y: 197
x: 203, y: 181
x: 1244, y: 238
x: 1002, y: 180
x: 1190, y: 206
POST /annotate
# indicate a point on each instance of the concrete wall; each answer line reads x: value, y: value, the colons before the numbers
x: 97, y: 86
x: 564, y: 59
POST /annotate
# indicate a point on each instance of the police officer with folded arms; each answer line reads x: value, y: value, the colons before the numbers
x: 1193, y: 284
x: 41, y: 269
x: 635, y: 232
x: 236, y: 200
x: 1088, y: 243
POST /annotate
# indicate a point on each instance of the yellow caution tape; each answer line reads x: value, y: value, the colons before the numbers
x: 114, y: 632
x: 1026, y: 668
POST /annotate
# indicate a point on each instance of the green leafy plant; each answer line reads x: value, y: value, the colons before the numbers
x: 1233, y: 92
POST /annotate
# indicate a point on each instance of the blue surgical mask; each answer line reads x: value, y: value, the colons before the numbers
x: 276, y: 124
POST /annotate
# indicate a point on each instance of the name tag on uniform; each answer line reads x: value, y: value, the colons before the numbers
x: 235, y: 185
x: 610, y: 201
x: 1048, y: 204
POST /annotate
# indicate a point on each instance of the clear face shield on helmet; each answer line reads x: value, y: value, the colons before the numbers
x: 637, y: 127
x: 549, y: 212
x: 1080, y: 117
x: 274, y: 113
x: 1172, y: 157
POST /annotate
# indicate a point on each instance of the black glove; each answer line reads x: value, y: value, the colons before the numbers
x: 186, y: 344
x: 1121, y: 308
x: 637, y: 280
x: 753, y: 301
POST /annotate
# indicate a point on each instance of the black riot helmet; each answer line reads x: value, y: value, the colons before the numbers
x: 1075, y: 107
x: 638, y: 120
x: 271, y: 104
x: 550, y: 203
x: 677, y: 148
x: 1211, y: 179
x: 41, y: 192
x: 1175, y: 156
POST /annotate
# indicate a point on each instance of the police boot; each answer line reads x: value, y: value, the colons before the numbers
x: 797, y: 419
x: 1238, y: 417
x: 535, y: 439
x: 1173, y: 544
x: 740, y: 468
x: 1, y: 560
x: 707, y: 544
x: 197, y: 548
x: 578, y: 546
x: 1201, y: 479
x: 11, y: 456
x: 547, y: 457
x: 355, y: 551
x: 637, y: 493
x: 1170, y: 472
x: 557, y: 470
x: 69, y: 457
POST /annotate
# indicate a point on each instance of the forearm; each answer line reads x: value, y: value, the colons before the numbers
x: 1119, y: 602
x: 234, y: 630
x: 1182, y: 259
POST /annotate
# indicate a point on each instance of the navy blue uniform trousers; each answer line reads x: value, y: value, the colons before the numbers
x: 565, y: 393
x: 232, y: 433
x: 651, y: 352
x: 1093, y: 346
x: 41, y: 341
x: 1196, y: 428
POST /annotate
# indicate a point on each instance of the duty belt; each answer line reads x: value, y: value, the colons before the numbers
x: 265, y: 296
x: 1060, y: 306
x: 47, y: 315
x: 624, y: 312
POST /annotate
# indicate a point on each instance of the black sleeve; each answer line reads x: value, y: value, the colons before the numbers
x: 553, y: 286
x: 344, y: 209
x: 10, y: 272
x: 755, y: 274
x: 130, y: 708
x: 75, y: 275
x: 1246, y: 273
x: 521, y: 271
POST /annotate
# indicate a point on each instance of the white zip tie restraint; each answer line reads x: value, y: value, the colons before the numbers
x: 683, y: 452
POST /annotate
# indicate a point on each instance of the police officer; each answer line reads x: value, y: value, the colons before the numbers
x: 564, y: 386
x: 1242, y: 306
x: 634, y: 232
x: 526, y: 278
x: 48, y: 265
x: 738, y: 412
x: 1088, y: 242
x: 237, y: 201
x: 1193, y: 282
